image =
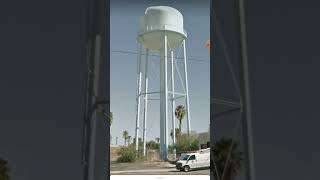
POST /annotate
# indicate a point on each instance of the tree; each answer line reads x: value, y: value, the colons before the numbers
x: 152, y: 145
x: 177, y: 132
x: 110, y: 122
x: 110, y: 118
x: 125, y: 136
x: 187, y: 143
x: 4, y: 170
x: 180, y: 113
x: 221, y: 153
x: 157, y: 140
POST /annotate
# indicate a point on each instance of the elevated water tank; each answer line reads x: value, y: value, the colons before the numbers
x: 158, y: 20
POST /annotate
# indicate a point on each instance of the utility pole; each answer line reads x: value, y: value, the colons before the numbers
x: 129, y: 137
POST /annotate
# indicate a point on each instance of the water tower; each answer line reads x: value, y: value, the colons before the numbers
x: 161, y: 30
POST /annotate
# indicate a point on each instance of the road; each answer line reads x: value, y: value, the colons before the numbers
x: 145, y: 168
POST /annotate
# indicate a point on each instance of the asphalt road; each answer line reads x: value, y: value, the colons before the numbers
x: 144, y: 168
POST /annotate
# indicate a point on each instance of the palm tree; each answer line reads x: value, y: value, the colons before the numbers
x: 180, y: 112
x: 221, y: 153
x: 177, y: 132
x: 4, y: 170
x: 125, y: 136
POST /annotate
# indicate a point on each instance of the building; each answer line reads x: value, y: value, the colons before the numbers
x: 204, y: 140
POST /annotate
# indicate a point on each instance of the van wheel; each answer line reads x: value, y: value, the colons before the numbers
x: 186, y: 168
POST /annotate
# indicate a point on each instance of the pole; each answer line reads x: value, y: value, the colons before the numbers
x: 173, y: 106
x: 139, y: 74
x: 246, y: 110
x: 166, y: 96
x: 95, y: 131
x: 94, y: 117
x: 163, y: 100
x: 87, y: 121
x: 186, y: 86
x: 145, y: 104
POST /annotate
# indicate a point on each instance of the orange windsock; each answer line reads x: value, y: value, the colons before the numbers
x: 207, y: 45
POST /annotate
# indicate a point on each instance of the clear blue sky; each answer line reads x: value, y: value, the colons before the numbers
x: 124, y: 22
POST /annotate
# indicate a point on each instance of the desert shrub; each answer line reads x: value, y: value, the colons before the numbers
x: 184, y: 144
x: 127, y: 154
x: 153, y: 145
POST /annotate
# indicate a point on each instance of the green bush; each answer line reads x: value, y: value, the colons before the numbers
x: 185, y: 144
x: 127, y: 154
x: 153, y: 145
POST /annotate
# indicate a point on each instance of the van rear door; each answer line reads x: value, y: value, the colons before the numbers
x: 205, y: 160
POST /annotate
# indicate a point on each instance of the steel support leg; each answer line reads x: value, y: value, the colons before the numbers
x: 173, y: 107
x: 145, y: 104
x: 139, y: 74
x: 164, y: 101
x: 245, y: 93
x: 186, y: 86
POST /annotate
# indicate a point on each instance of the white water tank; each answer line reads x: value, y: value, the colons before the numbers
x: 158, y: 20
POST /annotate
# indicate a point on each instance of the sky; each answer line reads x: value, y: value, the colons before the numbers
x: 42, y: 75
x: 124, y: 24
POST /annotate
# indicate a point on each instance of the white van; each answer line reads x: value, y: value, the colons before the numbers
x: 193, y: 161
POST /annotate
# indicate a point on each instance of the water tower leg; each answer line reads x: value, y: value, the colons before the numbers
x: 245, y: 92
x: 164, y: 101
x: 166, y: 98
x: 173, y: 108
x: 139, y: 74
x: 145, y: 104
x: 186, y: 86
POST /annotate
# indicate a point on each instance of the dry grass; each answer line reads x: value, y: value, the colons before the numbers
x: 114, y: 153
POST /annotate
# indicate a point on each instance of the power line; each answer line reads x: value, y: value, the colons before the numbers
x: 189, y: 59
